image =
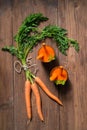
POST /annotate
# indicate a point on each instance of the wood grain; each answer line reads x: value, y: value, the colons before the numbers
x: 69, y: 14
x: 6, y: 69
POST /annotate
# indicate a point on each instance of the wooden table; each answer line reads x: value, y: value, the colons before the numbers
x: 69, y: 14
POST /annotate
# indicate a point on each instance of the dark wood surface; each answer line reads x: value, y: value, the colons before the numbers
x: 69, y: 14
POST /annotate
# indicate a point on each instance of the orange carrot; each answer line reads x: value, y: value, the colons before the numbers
x: 27, y: 98
x: 46, y: 53
x: 59, y: 75
x: 40, y: 56
x: 46, y: 90
x: 53, y: 77
x: 38, y: 100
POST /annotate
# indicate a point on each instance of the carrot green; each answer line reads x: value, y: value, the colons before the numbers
x: 29, y: 34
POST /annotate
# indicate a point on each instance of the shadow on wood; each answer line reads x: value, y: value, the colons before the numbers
x: 50, y: 65
x: 64, y: 89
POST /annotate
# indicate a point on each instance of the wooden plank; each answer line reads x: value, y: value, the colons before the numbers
x: 65, y: 17
x: 81, y: 67
x: 21, y: 9
x: 73, y: 115
x: 6, y: 69
x: 69, y: 14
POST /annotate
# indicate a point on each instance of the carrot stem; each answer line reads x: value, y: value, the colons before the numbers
x: 44, y: 45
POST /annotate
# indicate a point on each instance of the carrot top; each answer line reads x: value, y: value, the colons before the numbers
x: 29, y: 35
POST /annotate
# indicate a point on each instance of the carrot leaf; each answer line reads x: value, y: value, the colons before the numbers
x: 29, y: 35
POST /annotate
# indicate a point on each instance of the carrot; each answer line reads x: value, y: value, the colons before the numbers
x: 38, y: 100
x: 46, y: 53
x: 46, y: 90
x: 27, y: 98
x: 40, y: 56
x: 59, y: 75
x: 65, y: 74
x: 53, y: 77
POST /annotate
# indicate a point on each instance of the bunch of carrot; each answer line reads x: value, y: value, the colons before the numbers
x: 25, y: 42
x: 33, y: 86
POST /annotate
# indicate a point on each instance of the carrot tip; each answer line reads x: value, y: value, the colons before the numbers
x: 28, y: 121
x: 61, y: 104
x: 42, y: 120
